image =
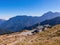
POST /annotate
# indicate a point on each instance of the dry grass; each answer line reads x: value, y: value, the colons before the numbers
x: 48, y: 37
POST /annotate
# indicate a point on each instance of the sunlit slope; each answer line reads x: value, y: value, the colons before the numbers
x: 48, y: 37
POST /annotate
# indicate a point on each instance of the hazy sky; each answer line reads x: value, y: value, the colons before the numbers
x: 10, y: 8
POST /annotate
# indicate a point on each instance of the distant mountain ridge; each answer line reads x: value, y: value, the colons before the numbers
x: 18, y: 23
x: 52, y: 22
x: 49, y: 15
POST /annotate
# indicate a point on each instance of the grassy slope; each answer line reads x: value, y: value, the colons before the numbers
x: 48, y: 37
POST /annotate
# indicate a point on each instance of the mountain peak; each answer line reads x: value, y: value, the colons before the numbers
x: 49, y: 12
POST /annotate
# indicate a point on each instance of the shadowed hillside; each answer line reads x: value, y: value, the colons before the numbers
x: 17, y: 23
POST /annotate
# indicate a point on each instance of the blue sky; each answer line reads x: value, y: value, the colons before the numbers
x: 10, y: 8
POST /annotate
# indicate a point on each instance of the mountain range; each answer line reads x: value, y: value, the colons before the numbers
x: 18, y: 23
